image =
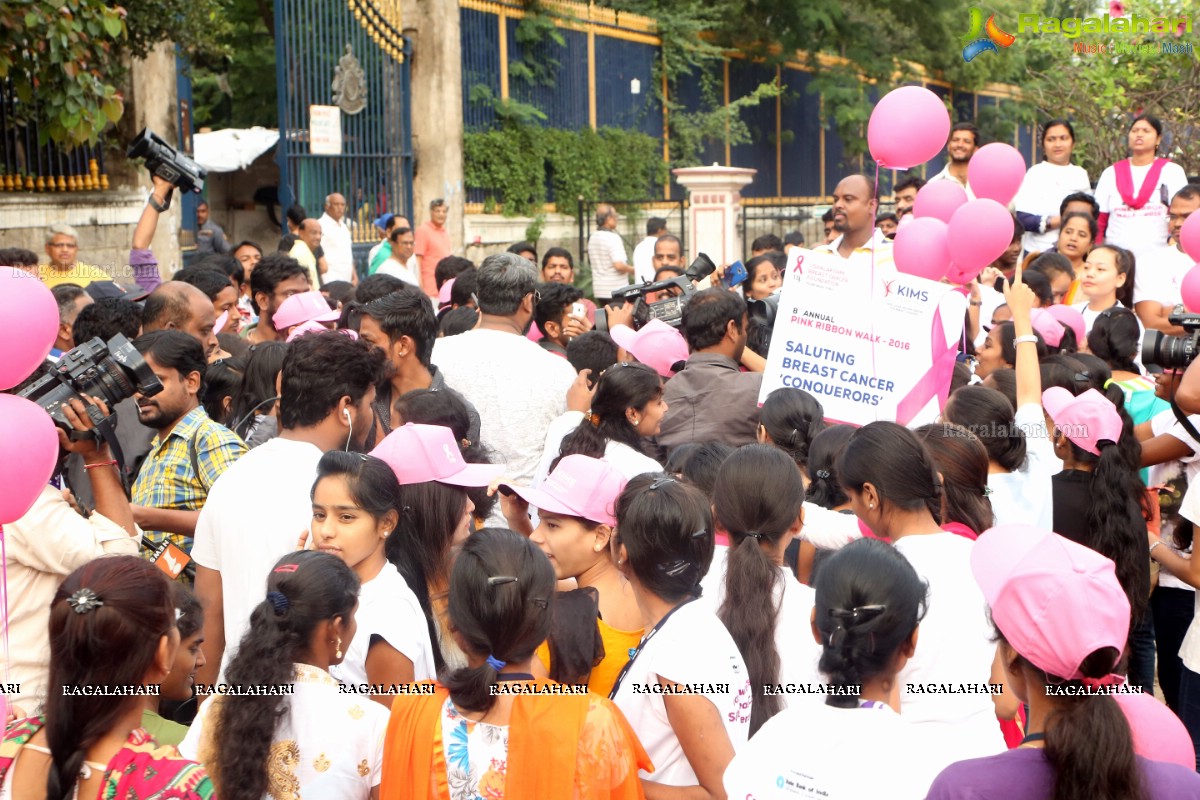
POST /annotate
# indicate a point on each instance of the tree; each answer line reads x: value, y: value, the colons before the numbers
x: 236, y: 87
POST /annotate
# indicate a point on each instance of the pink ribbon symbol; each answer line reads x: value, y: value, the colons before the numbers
x: 936, y: 380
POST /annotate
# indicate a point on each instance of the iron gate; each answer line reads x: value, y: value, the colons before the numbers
x: 350, y: 54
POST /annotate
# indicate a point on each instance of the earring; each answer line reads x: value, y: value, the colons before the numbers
x: 338, y: 654
x: 870, y: 505
x: 387, y: 534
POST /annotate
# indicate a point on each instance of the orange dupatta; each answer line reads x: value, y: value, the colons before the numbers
x: 543, y: 748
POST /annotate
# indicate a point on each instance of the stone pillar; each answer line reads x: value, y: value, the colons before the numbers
x: 437, y: 110
x: 715, y: 210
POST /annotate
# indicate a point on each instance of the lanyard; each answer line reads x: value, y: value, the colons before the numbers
x: 635, y: 652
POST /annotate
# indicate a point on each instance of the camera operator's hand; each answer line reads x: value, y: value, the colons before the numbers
x: 162, y: 189
x: 620, y: 315
x: 579, y: 396
x: 576, y: 326
x: 91, y: 448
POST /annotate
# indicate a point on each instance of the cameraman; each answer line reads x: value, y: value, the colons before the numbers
x: 51, y: 541
x: 1187, y: 396
x: 141, y: 260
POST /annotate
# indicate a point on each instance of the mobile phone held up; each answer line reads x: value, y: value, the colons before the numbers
x: 735, y: 275
x: 579, y: 311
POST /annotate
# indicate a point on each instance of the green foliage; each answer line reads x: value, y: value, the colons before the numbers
x: 235, y: 86
x: 533, y: 231
x: 514, y: 164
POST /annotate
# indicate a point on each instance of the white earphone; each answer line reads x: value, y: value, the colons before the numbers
x: 346, y: 414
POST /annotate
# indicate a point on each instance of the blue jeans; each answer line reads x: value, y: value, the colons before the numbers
x: 1189, y: 707
x: 1141, y: 654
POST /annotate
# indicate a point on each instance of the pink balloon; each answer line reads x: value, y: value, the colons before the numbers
x: 1189, y: 289
x: 958, y: 275
x: 980, y: 232
x: 30, y: 316
x: 995, y: 172
x: 909, y: 126
x: 921, y: 248
x: 1189, y: 236
x: 939, y: 199
x: 28, y: 452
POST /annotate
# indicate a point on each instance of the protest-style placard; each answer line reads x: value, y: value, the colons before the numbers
x: 868, y: 343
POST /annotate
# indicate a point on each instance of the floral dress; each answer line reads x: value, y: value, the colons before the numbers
x: 476, y: 756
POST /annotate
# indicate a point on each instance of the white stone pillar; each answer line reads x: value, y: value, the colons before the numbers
x: 715, y: 210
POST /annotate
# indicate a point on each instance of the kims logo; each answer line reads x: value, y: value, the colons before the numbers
x: 982, y: 38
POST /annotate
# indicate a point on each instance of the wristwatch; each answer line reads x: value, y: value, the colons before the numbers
x: 159, y: 207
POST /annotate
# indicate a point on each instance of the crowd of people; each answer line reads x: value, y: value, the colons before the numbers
x: 421, y: 528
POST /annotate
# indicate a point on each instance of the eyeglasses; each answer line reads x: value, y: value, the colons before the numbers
x: 537, y: 296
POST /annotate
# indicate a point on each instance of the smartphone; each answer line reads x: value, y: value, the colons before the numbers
x: 735, y: 274
x: 579, y: 311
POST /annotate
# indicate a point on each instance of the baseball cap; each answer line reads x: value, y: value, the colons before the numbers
x: 580, y: 486
x: 1049, y: 327
x: 657, y: 345
x: 1055, y: 601
x: 104, y: 290
x: 1087, y: 420
x: 444, y: 293
x: 1071, y: 318
x: 382, y: 221
x: 316, y: 327
x: 423, y: 453
x: 304, y: 307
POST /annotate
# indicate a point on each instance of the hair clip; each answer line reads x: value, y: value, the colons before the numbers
x: 594, y: 419
x: 754, y: 535
x: 500, y: 580
x: 700, y: 534
x: 406, y: 510
x: 84, y: 600
x: 858, y: 614
x: 178, y: 614
x: 496, y: 663
x: 823, y: 474
x: 987, y: 491
x: 540, y: 602
x: 279, y: 602
x: 660, y: 483
x: 673, y: 569
x: 287, y: 568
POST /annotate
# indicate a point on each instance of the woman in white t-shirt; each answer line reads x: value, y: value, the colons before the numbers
x: 685, y: 690
x: 1134, y: 193
x: 354, y: 513
x: 1046, y: 184
x: 756, y: 503
x: 316, y: 741
x: 1020, y: 456
x: 1106, y: 282
x: 869, y: 602
x: 627, y: 408
x: 895, y: 490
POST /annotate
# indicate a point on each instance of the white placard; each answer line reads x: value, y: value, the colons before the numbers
x: 868, y: 343
x: 325, y: 130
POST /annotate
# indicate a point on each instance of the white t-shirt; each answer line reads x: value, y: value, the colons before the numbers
x: 798, y: 651
x: 692, y: 647
x: 954, y: 646
x: 629, y: 462
x: 643, y: 260
x: 817, y: 753
x: 604, y: 249
x: 828, y: 530
x: 338, y: 245
x: 330, y: 743
x: 397, y: 270
x: 387, y: 608
x: 517, y: 387
x: 1189, y: 651
x: 1042, y: 193
x: 254, y: 515
x: 1024, y: 496
x: 1160, y: 276
x: 1144, y: 229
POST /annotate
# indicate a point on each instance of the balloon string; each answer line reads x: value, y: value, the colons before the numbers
x: 4, y: 616
x: 874, y: 288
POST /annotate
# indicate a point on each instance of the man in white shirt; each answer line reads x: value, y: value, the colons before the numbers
x: 606, y: 254
x: 643, y: 254
x: 964, y: 141
x: 337, y: 241
x: 517, y: 387
x: 401, y: 262
x: 259, y: 507
x: 1157, y: 282
x: 854, y: 207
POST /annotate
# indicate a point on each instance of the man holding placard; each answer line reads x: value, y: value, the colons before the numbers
x: 854, y: 208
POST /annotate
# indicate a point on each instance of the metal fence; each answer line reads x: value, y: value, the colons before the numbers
x: 27, y: 166
x: 631, y: 220
x: 783, y: 216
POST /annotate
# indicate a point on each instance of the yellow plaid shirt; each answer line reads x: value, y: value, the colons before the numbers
x: 167, y: 479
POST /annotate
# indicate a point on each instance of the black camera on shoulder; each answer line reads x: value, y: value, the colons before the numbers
x: 669, y: 309
x: 166, y: 162
x: 109, y: 372
x: 1173, y: 352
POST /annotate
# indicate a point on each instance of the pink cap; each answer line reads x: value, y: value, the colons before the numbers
x: 657, y: 345
x: 1055, y: 601
x: 316, y: 327
x: 423, y: 453
x: 580, y: 486
x: 444, y: 292
x: 1045, y: 324
x: 1071, y: 318
x: 303, y: 307
x: 1087, y: 420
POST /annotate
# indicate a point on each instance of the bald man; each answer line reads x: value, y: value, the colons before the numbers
x: 854, y: 207
x: 308, y: 240
x: 183, y: 307
x: 337, y: 241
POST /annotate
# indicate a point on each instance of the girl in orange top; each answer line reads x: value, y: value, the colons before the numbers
x: 511, y: 745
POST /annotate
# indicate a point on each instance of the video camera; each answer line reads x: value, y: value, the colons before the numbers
x: 1173, y: 352
x: 668, y: 309
x: 167, y: 163
x: 110, y: 372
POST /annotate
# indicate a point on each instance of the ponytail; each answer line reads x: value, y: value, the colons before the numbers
x: 893, y: 460
x: 792, y: 417
x: 824, y: 489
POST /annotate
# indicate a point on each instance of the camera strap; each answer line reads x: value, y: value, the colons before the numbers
x: 1184, y: 421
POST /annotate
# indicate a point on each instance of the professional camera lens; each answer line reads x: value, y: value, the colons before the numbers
x: 1169, y: 352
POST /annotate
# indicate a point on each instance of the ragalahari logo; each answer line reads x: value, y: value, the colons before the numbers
x: 982, y: 38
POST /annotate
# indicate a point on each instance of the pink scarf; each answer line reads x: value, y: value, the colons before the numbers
x: 1124, y: 175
